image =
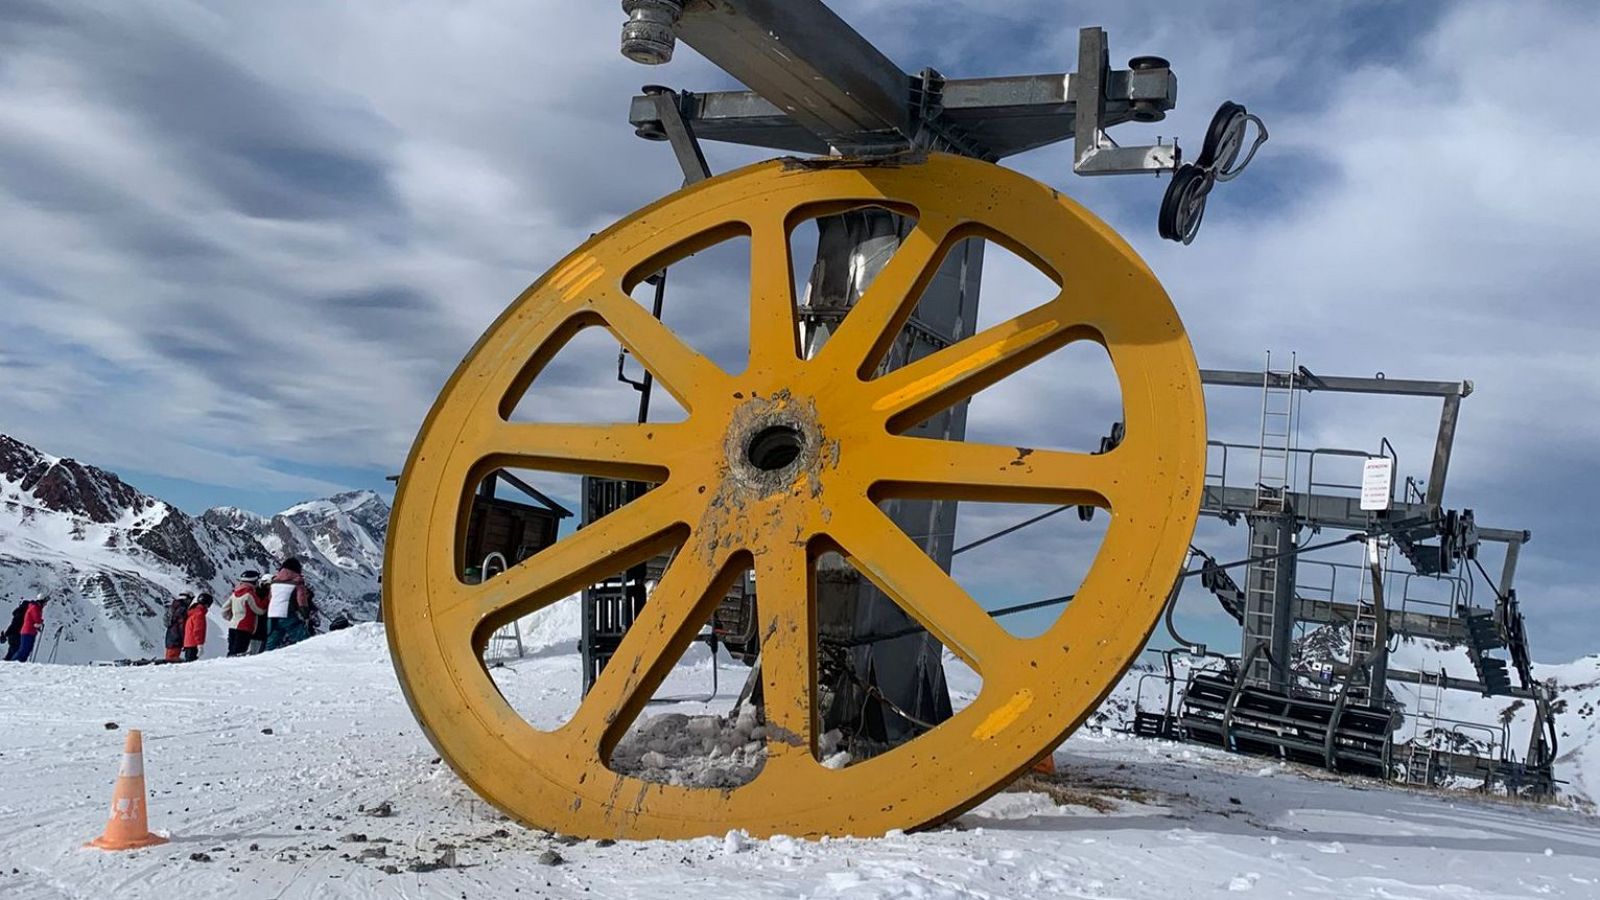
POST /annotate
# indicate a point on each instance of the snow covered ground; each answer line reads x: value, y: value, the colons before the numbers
x: 266, y: 772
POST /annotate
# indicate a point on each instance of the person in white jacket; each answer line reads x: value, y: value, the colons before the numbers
x: 242, y: 609
x: 288, y: 606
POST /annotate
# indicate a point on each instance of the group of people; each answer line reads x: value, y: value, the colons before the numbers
x: 27, y: 621
x: 263, y: 613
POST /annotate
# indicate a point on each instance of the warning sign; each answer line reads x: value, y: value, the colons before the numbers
x: 1377, y: 483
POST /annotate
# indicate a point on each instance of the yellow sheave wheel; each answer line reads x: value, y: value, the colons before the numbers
x: 726, y: 512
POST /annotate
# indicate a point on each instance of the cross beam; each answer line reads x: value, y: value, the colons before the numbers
x: 1450, y: 392
x: 804, y: 59
x: 1006, y: 115
x: 818, y: 86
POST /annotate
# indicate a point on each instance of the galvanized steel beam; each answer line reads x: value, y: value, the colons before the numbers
x: 812, y: 66
x: 1333, y: 511
x: 1008, y: 115
x: 1337, y: 384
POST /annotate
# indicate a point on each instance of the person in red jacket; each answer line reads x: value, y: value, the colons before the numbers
x: 32, y: 624
x: 194, y: 628
x: 243, y: 607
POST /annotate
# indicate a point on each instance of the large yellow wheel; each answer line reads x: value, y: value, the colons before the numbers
x: 778, y: 464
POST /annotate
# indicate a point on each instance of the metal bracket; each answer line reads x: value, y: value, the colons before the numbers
x: 934, y: 130
x: 670, y: 125
x: 1095, y: 153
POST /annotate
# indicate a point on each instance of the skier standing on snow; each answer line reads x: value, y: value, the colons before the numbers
x: 32, y: 624
x: 258, y: 640
x: 177, y: 612
x: 289, y: 607
x: 194, y: 627
x: 14, y: 630
x: 244, y: 606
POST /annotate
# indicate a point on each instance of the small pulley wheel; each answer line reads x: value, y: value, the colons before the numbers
x: 1225, y: 139
x: 1185, y: 203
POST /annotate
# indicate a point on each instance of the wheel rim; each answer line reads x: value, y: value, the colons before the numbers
x: 727, y: 498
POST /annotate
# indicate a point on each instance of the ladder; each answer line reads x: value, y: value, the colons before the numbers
x: 1275, y: 449
x: 1261, y: 588
x: 1364, y: 630
x: 509, y: 635
x: 1278, y: 408
x: 1425, y: 728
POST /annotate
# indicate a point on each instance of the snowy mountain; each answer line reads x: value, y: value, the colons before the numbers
x: 338, y: 540
x: 110, y: 555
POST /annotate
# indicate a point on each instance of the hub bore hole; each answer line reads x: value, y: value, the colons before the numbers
x: 774, y: 447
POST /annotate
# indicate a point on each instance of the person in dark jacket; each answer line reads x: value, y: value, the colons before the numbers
x: 258, y: 640
x: 32, y: 625
x: 288, y: 606
x: 194, y: 627
x: 13, y: 632
x: 177, y: 614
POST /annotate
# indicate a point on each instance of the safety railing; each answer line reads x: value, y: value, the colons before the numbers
x: 1459, y: 587
x: 1217, y: 475
x: 1330, y: 590
x: 1497, y: 740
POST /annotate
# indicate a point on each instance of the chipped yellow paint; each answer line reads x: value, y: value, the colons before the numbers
x: 973, y: 362
x: 1004, y: 717
x: 576, y: 277
x: 722, y: 513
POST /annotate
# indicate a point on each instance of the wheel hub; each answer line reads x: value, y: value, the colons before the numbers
x: 770, y: 440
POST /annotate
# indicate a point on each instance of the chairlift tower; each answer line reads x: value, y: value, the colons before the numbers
x: 1270, y: 707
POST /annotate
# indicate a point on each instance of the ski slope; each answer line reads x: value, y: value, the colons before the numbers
x: 268, y: 768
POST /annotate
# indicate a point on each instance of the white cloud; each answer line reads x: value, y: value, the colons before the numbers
x: 291, y: 220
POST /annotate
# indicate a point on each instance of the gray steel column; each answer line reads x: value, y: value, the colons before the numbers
x: 1378, y: 672
x: 908, y: 670
x: 1508, y: 570
x: 1269, y: 601
x: 1448, y: 416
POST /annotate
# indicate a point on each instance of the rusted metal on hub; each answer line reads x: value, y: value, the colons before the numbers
x: 734, y: 493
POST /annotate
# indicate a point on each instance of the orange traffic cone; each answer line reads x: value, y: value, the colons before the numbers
x: 128, y: 828
x: 1046, y: 766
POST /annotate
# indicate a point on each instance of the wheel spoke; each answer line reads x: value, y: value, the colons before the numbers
x: 786, y: 588
x: 601, y: 549
x: 868, y: 331
x: 936, y: 382
x: 674, y: 613
x: 630, y: 452
x: 931, y: 469
x: 677, y: 366
x: 773, y: 333
x: 900, y: 568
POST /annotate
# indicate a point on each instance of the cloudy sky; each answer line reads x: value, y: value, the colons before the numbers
x: 244, y: 243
